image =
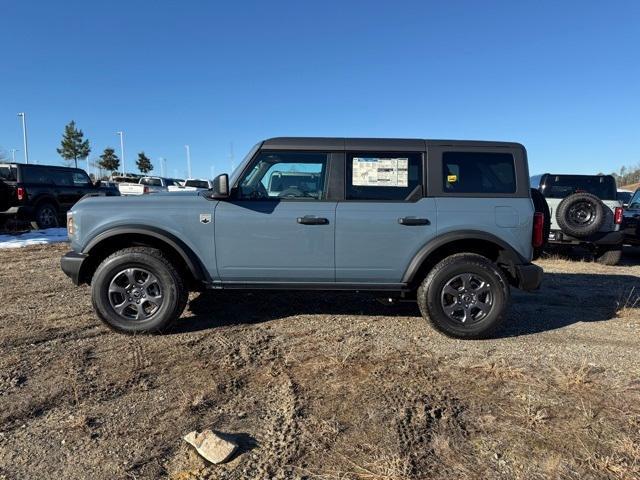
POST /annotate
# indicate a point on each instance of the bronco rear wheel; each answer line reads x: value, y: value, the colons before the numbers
x: 138, y: 290
x: 464, y: 296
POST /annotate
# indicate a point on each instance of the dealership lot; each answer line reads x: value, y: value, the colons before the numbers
x: 321, y: 385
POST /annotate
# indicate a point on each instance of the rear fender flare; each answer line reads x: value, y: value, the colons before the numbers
x: 508, y: 254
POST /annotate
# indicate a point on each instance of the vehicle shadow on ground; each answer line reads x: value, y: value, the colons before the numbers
x: 564, y: 299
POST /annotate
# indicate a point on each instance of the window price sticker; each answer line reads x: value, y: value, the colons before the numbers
x: 380, y: 172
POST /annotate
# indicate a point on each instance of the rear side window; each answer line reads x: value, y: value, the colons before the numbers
x: 561, y: 186
x: 36, y: 175
x: 8, y: 173
x: 383, y: 176
x: 478, y: 172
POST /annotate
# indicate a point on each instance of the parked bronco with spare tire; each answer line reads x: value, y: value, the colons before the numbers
x: 585, y: 211
x: 450, y: 224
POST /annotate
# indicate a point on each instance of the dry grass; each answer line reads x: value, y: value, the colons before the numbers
x: 322, y: 386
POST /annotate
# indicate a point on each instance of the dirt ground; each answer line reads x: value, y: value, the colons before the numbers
x: 321, y: 386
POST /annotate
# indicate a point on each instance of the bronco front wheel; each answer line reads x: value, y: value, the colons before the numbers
x: 464, y: 296
x: 138, y: 290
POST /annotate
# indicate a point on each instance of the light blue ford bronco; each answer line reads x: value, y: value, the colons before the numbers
x: 450, y: 224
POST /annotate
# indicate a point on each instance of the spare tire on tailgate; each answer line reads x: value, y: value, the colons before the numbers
x: 581, y: 214
x: 541, y: 206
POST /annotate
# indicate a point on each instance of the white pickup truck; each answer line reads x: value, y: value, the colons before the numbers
x: 191, y: 185
x: 147, y: 185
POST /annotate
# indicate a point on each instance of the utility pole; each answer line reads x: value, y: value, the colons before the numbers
x: 121, y: 133
x: 161, y: 166
x: 24, y: 136
x: 188, y: 160
x: 231, y: 157
x: 13, y: 154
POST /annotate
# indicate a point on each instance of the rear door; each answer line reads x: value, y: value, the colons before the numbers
x: 483, y: 189
x: 66, y: 192
x: 268, y: 233
x: 385, y: 218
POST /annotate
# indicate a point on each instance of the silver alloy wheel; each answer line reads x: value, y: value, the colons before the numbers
x: 135, y: 294
x: 47, y: 217
x: 467, y: 298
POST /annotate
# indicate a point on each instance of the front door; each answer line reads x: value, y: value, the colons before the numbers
x: 384, y: 220
x: 277, y: 227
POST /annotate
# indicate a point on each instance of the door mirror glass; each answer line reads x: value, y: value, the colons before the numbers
x: 221, y: 186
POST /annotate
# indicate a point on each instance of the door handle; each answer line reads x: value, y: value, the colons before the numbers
x: 312, y: 220
x: 409, y: 221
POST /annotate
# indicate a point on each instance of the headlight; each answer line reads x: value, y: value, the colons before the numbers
x: 70, y: 227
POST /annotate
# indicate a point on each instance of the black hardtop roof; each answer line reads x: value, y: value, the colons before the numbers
x: 388, y: 144
x: 576, y: 175
x: 38, y: 165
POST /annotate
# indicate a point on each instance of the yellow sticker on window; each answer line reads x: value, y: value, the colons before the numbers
x: 452, y: 178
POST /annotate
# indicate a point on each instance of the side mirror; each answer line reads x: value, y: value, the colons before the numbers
x: 221, y: 186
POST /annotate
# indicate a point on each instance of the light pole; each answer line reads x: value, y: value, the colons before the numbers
x: 163, y: 165
x: 122, y: 151
x: 188, y: 160
x: 13, y: 154
x: 24, y: 136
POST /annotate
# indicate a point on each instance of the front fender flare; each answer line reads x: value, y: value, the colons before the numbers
x: 190, y: 259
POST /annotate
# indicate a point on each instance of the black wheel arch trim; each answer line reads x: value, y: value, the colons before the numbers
x: 190, y: 259
x: 509, y: 254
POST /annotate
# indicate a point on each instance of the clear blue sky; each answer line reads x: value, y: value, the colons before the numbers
x: 561, y: 77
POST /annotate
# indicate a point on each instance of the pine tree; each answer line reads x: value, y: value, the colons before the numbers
x: 109, y: 160
x: 144, y: 163
x: 72, y: 145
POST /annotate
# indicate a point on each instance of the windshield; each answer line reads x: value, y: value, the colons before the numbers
x: 624, y: 197
x: 155, y: 182
x: 561, y: 186
x: 236, y: 172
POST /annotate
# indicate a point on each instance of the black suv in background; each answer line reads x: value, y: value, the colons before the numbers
x: 42, y: 194
x: 631, y: 222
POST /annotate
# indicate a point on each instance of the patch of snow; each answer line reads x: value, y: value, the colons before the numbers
x: 34, y: 237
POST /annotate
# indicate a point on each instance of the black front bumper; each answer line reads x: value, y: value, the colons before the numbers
x: 71, y: 264
x: 528, y: 276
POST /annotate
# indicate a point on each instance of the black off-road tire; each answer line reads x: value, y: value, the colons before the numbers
x: 45, y: 216
x: 430, y: 295
x: 541, y: 206
x: 169, y: 278
x: 566, y: 214
x: 608, y: 255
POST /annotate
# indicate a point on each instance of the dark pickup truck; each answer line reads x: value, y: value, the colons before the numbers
x: 42, y: 194
x: 631, y: 221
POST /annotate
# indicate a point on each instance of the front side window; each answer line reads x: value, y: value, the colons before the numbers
x: 80, y: 179
x: 383, y: 176
x: 285, y: 175
x: 62, y: 178
x: 478, y: 172
x: 634, y: 203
